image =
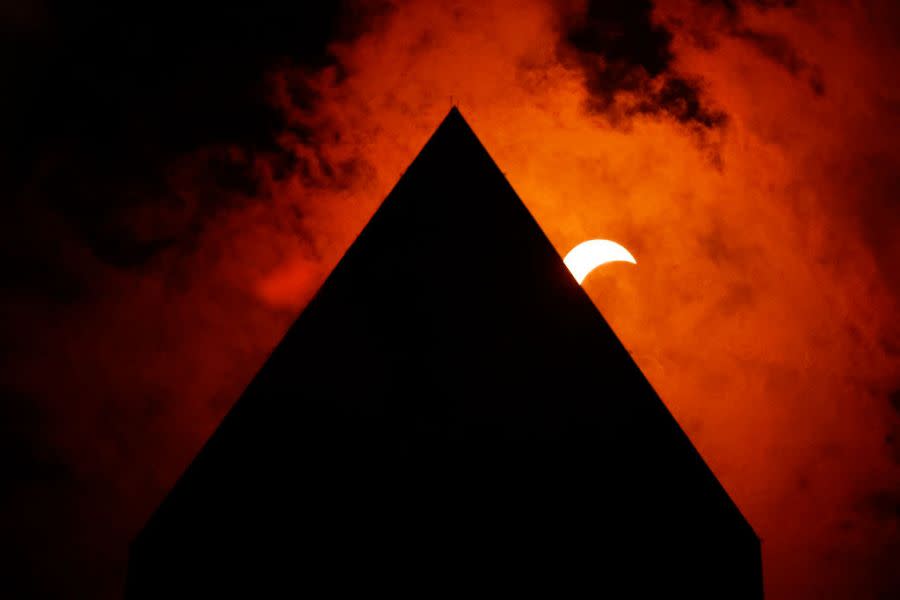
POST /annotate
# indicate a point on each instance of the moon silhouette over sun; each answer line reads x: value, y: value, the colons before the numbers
x: 587, y: 256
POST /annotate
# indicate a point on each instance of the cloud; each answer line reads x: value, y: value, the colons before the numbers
x: 628, y: 64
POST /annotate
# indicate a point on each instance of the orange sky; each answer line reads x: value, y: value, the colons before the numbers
x: 763, y: 307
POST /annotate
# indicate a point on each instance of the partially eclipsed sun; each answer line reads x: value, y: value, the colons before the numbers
x: 587, y: 256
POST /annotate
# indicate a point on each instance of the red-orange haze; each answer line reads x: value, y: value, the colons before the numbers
x: 763, y: 307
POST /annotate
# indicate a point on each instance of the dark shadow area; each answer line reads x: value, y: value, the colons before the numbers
x: 450, y: 414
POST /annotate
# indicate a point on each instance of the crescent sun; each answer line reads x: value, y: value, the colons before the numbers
x: 587, y: 256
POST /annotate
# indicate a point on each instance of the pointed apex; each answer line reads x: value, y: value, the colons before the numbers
x: 454, y: 119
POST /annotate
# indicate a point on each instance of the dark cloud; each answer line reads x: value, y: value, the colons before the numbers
x: 776, y: 47
x: 105, y: 98
x: 733, y: 6
x: 627, y: 61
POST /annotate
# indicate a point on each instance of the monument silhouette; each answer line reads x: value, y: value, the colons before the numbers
x: 449, y: 415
